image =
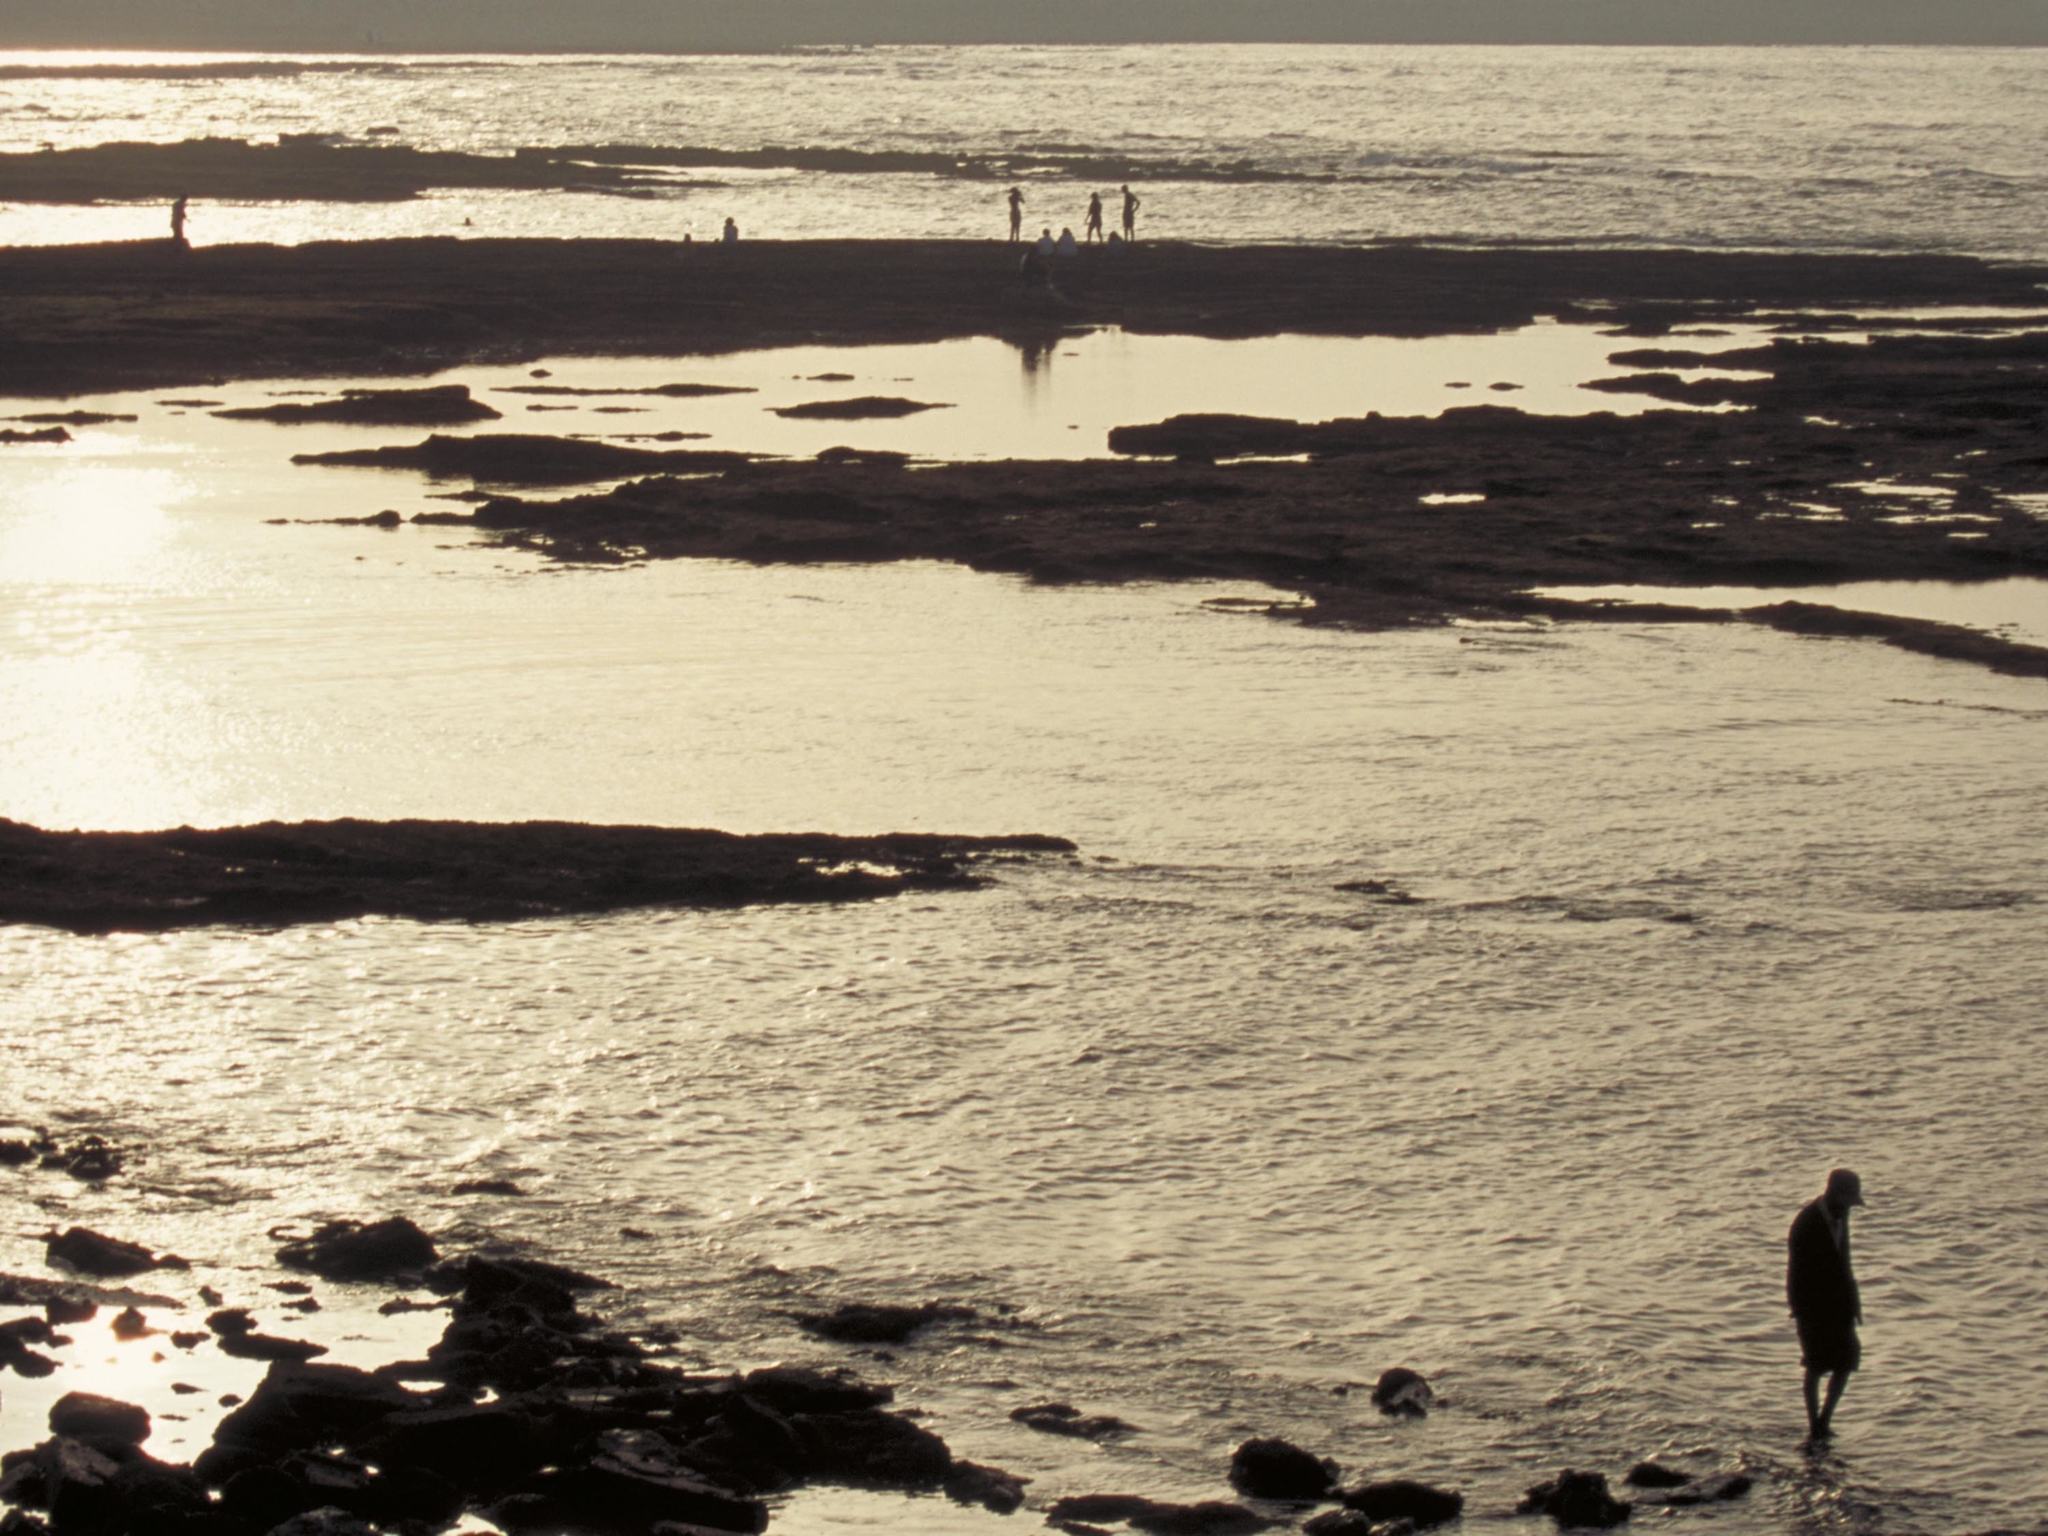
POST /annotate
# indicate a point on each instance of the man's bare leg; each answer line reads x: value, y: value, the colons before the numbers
x: 1836, y: 1382
x: 1816, y: 1426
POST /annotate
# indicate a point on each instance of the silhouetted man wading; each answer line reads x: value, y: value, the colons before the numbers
x: 1820, y: 1287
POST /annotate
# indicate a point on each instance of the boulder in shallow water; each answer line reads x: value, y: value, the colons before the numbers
x: 1713, y: 1489
x: 884, y: 1323
x: 1401, y: 1499
x: 1650, y: 1474
x: 94, y: 1253
x: 1401, y: 1392
x: 1576, y: 1499
x: 99, y: 1421
x: 353, y: 1250
x: 1275, y: 1469
x: 1066, y: 1419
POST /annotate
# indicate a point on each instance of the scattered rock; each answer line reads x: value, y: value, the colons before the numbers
x: 354, y: 1250
x: 1401, y: 1499
x: 487, y: 1187
x: 886, y: 1323
x: 438, y: 405
x: 1575, y: 1499
x: 92, y: 1253
x: 264, y: 1346
x: 1348, y: 1522
x: 99, y: 1421
x: 1066, y: 1419
x: 70, y: 418
x: 860, y: 408
x: 1713, y: 1489
x: 1649, y: 1474
x: 45, y: 435
x: 1274, y: 1469
x: 1401, y: 1392
x: 129, y: 1323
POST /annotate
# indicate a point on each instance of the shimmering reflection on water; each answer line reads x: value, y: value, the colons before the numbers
x: 1701, y: 912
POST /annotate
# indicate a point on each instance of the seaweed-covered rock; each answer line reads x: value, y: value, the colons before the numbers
x: 1275, y: 1469
x: 354, y: 1250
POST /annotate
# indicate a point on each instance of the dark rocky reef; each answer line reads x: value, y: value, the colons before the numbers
x: 440, y: 405
x: 859, y: 408
x: 525, y: 1411
x: 1671, y: 498
x: 144, y: 314
x: 518, y: 458
x: 279, y: 873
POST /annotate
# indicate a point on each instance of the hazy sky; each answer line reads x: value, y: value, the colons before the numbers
x: 605, y: 25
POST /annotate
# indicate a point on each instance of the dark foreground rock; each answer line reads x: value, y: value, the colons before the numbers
x: 1576, y: 1500
x: 1400, y: 1392
x: 1402, y: 1499
x: 355, y: 1250
x: 279, y: 873
x: 1275, y: 1469
x: 1211, y: 1517
x: 1065, y: 1419
x: 526, y: 1411
x: 880, y: 1323
x: 108, y: 1258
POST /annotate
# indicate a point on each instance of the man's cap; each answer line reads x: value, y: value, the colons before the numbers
x: 1844, y: 1188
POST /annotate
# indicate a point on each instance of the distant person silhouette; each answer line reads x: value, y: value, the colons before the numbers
x: 1016, y: 215
x: 1820, y: 1287
x: 1130, y: 214
x: 732, y: 233
x: 1066, y: 245
x: 1093, y: 230
x: 178, y: 224
x: 1045, y: 245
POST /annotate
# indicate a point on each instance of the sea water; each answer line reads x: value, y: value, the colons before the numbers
x: 1208, y: 1127
x: 1482, y: 999
x: 1783, y: 148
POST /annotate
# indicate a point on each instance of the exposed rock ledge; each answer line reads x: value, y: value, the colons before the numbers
x: 280, y: 873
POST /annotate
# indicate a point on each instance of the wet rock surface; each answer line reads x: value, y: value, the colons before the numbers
x: 278, y: 873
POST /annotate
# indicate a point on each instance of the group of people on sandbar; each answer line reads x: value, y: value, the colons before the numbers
x: 1091, y: 226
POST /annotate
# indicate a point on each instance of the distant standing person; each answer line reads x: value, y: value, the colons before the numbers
x: 1130, y: 214
x: 1094, y: 228
x: 178, y: 224
x: 1016, y: 215
x: 1820, y: 1286
x: 732, y: 233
